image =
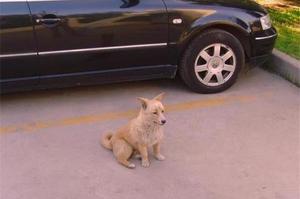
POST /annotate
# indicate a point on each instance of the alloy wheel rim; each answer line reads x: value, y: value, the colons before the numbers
x: 215, y: 64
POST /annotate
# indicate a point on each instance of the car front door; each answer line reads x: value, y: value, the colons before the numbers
x: 84, y: 37
x: 18, y: 53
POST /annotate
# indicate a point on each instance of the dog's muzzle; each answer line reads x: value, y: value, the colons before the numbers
x: 163, y: 122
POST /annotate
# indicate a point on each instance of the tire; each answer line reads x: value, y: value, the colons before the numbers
x: 212, y: 61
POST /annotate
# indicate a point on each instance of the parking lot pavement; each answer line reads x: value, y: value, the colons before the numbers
x: 240, y: 144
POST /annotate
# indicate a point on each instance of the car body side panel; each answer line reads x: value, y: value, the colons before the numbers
x: 199, y: 15
x: 18, y: 46
x: 18, y: 53
x: 100, y: 24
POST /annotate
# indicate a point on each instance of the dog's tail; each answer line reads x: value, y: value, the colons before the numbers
x: 106, y: 141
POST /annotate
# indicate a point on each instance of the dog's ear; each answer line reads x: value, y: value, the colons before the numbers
x: 144, y: 102
x: 159, y: 97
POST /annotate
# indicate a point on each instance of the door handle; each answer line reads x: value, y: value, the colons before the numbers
x: 48, y: 20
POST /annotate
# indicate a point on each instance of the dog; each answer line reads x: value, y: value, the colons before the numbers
x: 142, y: 132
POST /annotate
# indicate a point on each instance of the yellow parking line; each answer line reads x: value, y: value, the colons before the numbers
x: 85, y: 119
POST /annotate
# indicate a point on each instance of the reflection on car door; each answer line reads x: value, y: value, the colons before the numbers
x: 18, y: 53
x: 78, y: 37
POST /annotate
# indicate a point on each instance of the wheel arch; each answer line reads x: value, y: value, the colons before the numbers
x: 241, y: 34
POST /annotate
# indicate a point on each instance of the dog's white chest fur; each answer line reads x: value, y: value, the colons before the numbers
x: 148, y: 134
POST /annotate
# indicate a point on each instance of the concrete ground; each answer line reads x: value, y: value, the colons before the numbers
x: 240, y: 144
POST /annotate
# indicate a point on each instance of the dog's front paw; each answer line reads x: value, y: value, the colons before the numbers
x: 160, y: 157
x: 145, y: 163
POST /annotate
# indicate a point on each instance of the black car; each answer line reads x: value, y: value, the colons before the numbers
x: 59, y: 43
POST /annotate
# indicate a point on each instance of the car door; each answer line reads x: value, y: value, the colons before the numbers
x: 18, y: 53
x: 77, y: 37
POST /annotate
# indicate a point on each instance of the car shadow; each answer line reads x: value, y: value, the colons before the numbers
x: 160, y: 85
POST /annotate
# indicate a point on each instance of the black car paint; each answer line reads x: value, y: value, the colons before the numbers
x: 102, y: 23
x: 237, y: 17
x: 106, y: 23
x: 16, y: 36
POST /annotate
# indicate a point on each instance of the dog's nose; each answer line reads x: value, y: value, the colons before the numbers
x: 163, y: 121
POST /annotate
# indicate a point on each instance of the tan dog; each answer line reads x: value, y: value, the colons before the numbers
x: 146, y: 130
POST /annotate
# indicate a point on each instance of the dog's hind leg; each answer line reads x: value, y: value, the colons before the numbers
x: 123, y: 151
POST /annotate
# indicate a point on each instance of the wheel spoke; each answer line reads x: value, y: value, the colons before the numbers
x: 208, y: 77
x: 201, y: 68
x: 217, y: 50
x: 220, y: 78
x: 229, y: 68
x: 227, y: 56
x: 205, y: 55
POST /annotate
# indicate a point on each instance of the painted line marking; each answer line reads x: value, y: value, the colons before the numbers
x: 107, y: 116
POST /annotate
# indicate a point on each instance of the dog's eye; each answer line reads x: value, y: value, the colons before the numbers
x: 155, y: 112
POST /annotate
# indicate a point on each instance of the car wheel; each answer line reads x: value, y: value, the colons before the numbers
x: 211, y: 63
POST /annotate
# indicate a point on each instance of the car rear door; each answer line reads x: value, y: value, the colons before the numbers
x: 75, y: 37
x: 18, y: 53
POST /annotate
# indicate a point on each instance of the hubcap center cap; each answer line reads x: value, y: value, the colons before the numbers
x: 215, y: 63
